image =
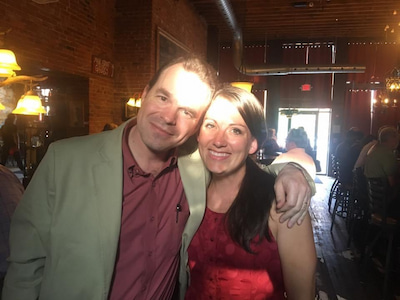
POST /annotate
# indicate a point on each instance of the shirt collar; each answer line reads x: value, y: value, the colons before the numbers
x: 129, y: 161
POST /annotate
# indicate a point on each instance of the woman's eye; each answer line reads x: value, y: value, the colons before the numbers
x: 236, y: 131
x: 209, y: 125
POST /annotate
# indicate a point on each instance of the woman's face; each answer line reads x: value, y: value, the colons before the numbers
x: 225, y: 140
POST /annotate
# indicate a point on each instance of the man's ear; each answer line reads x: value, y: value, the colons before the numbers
x: 253, y: 146
x: 145, y: 91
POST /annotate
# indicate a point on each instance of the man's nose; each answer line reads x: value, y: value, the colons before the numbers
x: 169, y: 115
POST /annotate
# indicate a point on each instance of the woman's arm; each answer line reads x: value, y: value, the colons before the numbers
x: 298, y: 257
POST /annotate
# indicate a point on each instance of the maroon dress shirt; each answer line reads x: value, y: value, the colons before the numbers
x: 154, y: 214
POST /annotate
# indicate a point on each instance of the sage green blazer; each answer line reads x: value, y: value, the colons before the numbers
x: 64, y: 233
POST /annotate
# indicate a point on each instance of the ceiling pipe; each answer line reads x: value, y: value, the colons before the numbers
x: 265, y: 70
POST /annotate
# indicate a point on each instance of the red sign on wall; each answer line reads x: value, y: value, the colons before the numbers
x: 102, y: 67
x: 306, y: 87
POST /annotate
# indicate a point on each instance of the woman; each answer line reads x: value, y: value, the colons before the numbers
x: 241, y: 250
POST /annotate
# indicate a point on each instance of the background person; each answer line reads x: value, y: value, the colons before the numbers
x: 11, y: 191
x: 381, y: 162
x: 296, y: 144
x: 109, y: 126
x: 9, y: 133
x: 241, y: 250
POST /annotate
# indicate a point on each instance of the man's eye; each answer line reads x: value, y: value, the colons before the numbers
x: 187, y: 113
x: 163, y: 98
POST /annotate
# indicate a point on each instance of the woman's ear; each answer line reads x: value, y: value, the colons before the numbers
x: 253, y: 146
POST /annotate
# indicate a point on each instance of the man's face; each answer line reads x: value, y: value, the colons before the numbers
x: 172, y: 109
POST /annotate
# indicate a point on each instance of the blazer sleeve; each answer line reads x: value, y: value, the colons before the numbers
x: 29, y: 234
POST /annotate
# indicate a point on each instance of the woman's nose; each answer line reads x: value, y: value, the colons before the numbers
x: 219, y: 139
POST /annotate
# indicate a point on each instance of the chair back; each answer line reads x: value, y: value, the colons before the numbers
x: 334, y: 165
x: 360, y: 189
x: 378, y: 192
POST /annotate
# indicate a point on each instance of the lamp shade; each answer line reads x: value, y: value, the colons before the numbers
x: 2, y: 106
x: 134, y: 102
x: 29, y: 104
x: 131, y: 102
x: 8, y: 63
x: 247, y: 86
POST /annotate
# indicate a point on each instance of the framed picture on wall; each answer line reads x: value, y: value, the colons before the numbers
x: 168, y: 48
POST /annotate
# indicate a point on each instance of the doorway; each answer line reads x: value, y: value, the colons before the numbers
x: 316, y: 122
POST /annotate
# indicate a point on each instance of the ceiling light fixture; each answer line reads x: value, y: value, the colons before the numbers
x: 393, y: 81
x: 29, y: 104
x: 247, y: 86
x: 8, y: 66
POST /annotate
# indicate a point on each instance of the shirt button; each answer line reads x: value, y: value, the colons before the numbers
x: 150, y: 253
x: 212, y: 239
x: 152, y: 219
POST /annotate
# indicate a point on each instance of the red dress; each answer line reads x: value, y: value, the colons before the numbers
x: 220, y: 269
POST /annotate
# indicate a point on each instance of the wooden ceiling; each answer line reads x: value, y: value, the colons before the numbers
x: 262, y: 20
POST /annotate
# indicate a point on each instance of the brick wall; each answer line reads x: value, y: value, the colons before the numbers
x: 136, y: 45
x: 63, y: 36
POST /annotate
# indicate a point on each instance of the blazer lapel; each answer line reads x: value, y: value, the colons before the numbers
x: 108, y: 180
x: 195, y: 180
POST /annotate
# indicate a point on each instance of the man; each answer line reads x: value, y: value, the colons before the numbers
x: 296, y: 143
x: 105, y: 215
x: 381, y: 159
x: 11, y: 191
x: 347, y: 153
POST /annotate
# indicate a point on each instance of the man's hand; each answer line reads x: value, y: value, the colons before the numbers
x: 293, y: 195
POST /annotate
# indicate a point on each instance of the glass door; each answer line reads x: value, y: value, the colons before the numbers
x: 316, y: 122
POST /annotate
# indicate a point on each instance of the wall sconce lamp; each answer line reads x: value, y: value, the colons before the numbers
x: 135, y: 101
x: 133, y: 105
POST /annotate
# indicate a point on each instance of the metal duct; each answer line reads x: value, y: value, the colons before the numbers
x: 265, y: 70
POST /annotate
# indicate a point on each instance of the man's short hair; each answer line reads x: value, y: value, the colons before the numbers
x: 387, y: 133
x: 194, y: 64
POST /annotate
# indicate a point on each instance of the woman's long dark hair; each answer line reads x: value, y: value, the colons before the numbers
x: 247, y: 218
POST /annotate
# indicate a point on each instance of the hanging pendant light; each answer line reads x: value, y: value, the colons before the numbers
x: 29, y: 104
x: 247, y: 86
x: 2, y: 106
x: 8, y: 63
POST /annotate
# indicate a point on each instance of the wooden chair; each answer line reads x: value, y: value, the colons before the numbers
x: 378, y: 193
